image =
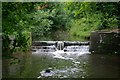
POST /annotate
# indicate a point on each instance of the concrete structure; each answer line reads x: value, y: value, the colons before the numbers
x: 105, y: 42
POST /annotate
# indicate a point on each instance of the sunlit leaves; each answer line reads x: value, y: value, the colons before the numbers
x: 42, y: 24
x: 88, y: 16
x: 83, y: 26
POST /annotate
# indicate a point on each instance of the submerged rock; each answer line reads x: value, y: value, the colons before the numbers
x: 47, y: 71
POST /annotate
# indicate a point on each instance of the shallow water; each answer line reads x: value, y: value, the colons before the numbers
x: 75, y: 62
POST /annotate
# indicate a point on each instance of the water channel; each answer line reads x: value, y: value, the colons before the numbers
x: 70, y: 62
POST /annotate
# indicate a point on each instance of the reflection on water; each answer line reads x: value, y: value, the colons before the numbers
x: 71, y: 62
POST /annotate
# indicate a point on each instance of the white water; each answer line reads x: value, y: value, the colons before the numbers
x: 62, y: 73
x: 44, y: 49
x: 71, y: 52
x: 68, y: 53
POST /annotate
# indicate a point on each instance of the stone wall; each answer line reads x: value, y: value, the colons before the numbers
x: 105, y: 42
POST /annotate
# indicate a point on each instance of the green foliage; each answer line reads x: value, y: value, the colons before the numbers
x: 42, y: 25
x: 41, y: 19
x: 81, y: 28
x: 48, y: 21
x: 90, y: 16
x: 15, y: 21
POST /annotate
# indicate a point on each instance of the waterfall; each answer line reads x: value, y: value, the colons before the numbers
x: 62, y: 48
x: 60, y: 45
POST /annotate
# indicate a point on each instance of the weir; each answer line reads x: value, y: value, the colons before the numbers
x: 56, y: 45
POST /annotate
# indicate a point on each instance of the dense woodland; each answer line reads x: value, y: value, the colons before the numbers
x: 54, y: 21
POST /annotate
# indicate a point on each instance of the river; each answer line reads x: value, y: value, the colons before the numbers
x: 73, y: 62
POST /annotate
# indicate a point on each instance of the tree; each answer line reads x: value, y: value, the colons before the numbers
x: 15, y: 21
x: 90, y: 16
x: 48, y: 20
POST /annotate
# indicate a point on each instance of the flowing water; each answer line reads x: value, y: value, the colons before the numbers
x: 70, y: 62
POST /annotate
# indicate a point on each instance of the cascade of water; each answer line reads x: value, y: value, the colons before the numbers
x: 44, y: 49
x: 71, y: 52
x: 67, y: 53
x: 60, y: 45
x: 59, y: 51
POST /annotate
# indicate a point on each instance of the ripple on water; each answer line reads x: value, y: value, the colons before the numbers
x: 62, y: 73
x: 71, y: 71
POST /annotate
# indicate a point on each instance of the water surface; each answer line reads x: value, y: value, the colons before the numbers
x: 73, y: 62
